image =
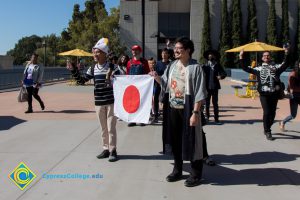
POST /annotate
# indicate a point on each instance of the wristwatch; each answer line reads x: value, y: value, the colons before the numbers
x: 195, y: 112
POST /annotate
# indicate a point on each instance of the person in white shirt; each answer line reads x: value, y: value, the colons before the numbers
x: 33, y: 75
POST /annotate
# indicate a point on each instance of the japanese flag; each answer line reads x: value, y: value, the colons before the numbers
x: 133, y: 97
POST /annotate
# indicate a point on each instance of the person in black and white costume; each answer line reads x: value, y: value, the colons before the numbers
x: 268, y: 86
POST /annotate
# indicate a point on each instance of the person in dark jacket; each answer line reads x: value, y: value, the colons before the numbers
x: 268, y: 86
x: 183, y: 83
x: 213, y: 72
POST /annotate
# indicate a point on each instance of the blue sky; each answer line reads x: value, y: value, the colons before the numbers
x: 20, y: 18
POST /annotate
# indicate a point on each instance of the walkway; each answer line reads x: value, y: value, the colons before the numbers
x: 65, y: 139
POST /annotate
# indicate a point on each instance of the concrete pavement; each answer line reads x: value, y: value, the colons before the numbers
x: 65, y: 139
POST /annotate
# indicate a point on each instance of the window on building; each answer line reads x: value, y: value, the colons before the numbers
x: 173, y: 25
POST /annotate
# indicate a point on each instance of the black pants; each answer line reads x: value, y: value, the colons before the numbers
x: 156, y: 101
x: 176, y: 142
x: 214, y: 95
x: 33, y: 92
x: 269, y: 105
x: 205, y: 153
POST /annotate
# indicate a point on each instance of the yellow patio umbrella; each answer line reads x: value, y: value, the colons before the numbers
x: 75, y: 52
x: 255, y: 46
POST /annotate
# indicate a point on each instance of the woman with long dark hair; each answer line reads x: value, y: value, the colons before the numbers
x: 294, y: 90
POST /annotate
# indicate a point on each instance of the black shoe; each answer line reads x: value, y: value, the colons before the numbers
x: 269, y: 136
x: 131, y: 124
x: 192, y: 181
x: 209, y: 161
x: 113, y: 156
x: 154, y: 121
x: 28, y: 111
x: 174, y: 177
x: 42, y: 106
x: 142, y: 124
x: 104, y: 154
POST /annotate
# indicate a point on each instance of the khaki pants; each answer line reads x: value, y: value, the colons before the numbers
x: 108, y: 122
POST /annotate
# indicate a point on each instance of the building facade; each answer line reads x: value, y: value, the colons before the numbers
x: 149, y: 22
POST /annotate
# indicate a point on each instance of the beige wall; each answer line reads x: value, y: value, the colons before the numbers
x: 131, y: 30
x: 6, y: 62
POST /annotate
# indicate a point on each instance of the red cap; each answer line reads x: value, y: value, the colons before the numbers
x: 136, y: 47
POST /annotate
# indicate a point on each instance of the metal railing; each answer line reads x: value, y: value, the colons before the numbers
x: 11, y: 78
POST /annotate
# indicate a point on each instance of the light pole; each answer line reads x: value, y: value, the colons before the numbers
x: 44, y: 44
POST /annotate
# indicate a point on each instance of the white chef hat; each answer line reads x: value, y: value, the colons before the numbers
x: 102, y: 44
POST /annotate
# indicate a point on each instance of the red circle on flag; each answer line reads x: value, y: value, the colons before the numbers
x: 131, y: 99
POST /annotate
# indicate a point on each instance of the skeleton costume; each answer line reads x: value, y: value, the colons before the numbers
x: 268, y: 77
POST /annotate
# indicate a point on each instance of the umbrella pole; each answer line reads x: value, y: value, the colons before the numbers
x: 256, y: 60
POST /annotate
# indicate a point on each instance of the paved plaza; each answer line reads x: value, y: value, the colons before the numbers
x: 65, y: 139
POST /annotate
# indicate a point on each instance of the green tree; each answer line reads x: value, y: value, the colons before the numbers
x: 252, y: 30
x: 236, y: 29
x: 225, y: 37
x: 285, y: 23
x: 85, y: 29
x: 206, y: 42
x: 271, y: 25
x: 236, y: 23
x: 24, y: 48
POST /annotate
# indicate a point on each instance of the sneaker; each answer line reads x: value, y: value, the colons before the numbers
x: 269, y: 136
x: 28, y: 111
x: 104, y: 154
x: 192, y: 181
x: 131, y: 124
x: 281, y: 126
x: 113, y: 156
x: 174, y: 177
x: 142, y: 124
x: 209, y: 161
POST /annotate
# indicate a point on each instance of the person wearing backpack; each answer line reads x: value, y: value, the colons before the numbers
x: 33, y: 75
x: 268, y: 75
x: 104, y: 97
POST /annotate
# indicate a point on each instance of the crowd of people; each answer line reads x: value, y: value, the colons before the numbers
x: 182, y: 88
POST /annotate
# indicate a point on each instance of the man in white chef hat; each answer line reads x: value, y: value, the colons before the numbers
x: 104, y: 98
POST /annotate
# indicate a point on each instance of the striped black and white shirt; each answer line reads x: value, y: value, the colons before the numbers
x: 103, y: 92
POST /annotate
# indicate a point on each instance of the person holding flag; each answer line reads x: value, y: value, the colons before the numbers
x: 104, y: 98
x: 184, y: 84
x: 137, y: 66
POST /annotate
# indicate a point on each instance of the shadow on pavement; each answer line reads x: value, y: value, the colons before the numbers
x: 145, y: 157
x: 66, y: 111
x: 247, y: 121
x: 220, y: 175
x: 285, y: 136
x: 239, y: 107
x: 254, y: 158
x: 7, y: 122
x: 223, y: 175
